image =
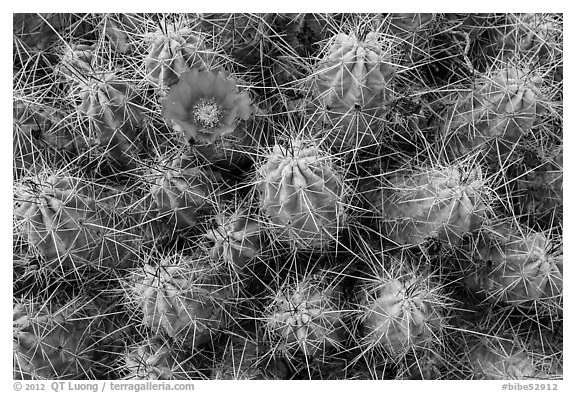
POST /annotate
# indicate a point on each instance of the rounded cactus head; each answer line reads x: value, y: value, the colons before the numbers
x: 52, y: 344
x: 73, y: 223
x: 110, y: 102
x: 503, y: 107
x: 306, y: 315
x: 400, y: 309
x: 236, y: 238
x: 534, y: 37
x: 182, y: 190
x: 181, y: 296
x: 174, y: 47
x: 519, y: 267
x: 495, y: 358
x: 350, y: 86
x: 303, y: 195
x: 204, y: 105
x: 442, y: 202
x: 76, y: 61
x: 155, y: 359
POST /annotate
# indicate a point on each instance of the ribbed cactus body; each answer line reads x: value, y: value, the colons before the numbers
x: 493, y: 358
x: 400, y: 313
x: 236, y: 238
x: 182, y: 298
x: 77, y: 60
x: 354, y: 72
x: 174, y: 49
x: 504, y: 106
x: 51, y: 345
x: 117, y: 28
x: 183, y: 191
x: 37, y: 31
x: 302, y: 194
x: 528, y: 37
x: 520, y: 268
x: 44, y: 128
x: 438, y: 203
x: 350, y: 86
x: 72, y: 224
x: 540, y: 191
x: 110, y: 103
x: 307, y: 317
x: 155, y: 360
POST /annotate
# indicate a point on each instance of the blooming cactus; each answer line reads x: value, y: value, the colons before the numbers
x: 400, y: 312
x: 441, y: 203
x: 307, y: 317
x: 174, y: 49
x: 520, y: 268
x: 204, y: 105
x: 504, y: 106
x: 302, y: 194
x: 493, y: 358
x: 51, y: 345
x: 72, y: 224
x: 182, y: 191
x: 181, y: 297
x: 236, y: 238
x: 154, y: 360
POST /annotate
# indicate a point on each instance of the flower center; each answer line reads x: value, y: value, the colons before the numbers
x: 208, y: 113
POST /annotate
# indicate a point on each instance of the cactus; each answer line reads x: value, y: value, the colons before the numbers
x: 236, y: 238
x: 519, y: 267
x: 37, y: 31
x: 239, y: 36
x: 182, y: 297
x: 244, y: 359
x: 154, y: 359
x: 403, y: 24
x: 532, y: 37
x: 350, y: 87
x: 400, y: 309
x: 493, y: 358
x: 303, y: 195
x: 117, y: 28
x: 183, y: 191
x: 72, y: 224
x: 353, y: 73
x: 43, y: 128
x: 76, y: 60
x: 51, y: 344
x: 505, y: 106
x: 109, y: 102
x: 174, y: 48
x: 204, y: 105
x: 540, y: 190
x: 307, y: 316
x: 430, y: 203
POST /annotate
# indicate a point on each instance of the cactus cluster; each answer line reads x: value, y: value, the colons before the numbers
x: 288, y: 196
